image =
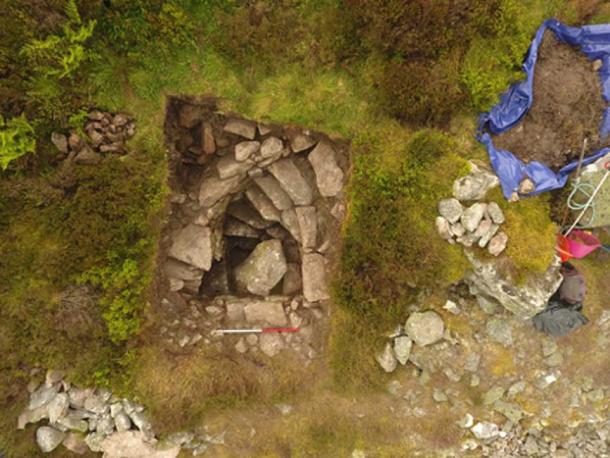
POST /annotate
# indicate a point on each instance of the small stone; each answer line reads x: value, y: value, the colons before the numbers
x: 546, y: 380
x: 48, y: 439
x: 122, y: 422
x: 60, y: 141
x: 58, y: 407
x: 452, y: 307
x: 329, y: 175
x: 53, y: 376
x: 315, y: 286
x: 86, y: 156
x: 214, y: 189
x: 252, y: 339
x: 439, y: 395
x: 443, y: 228
x: 284, y: 409
x: 466, y: 422
x: 402, y: 349
x: 597, y: 65
x: 208, y: 143
x: 475, y: 185
x: 493, y: 395
x: 485, y: 238
x: 526, y: 186
x: 457, y: 229
x: 308, y: 226
x: 176, y: 284
x: 511, y: 411
x: 263, y: 130
x: 475, y: 380
x: 271, y: 147
x: 484, y: 228
x: 271, y: 344
x: 387, y: 360
x: 265, y: 312
x: 495, y: 213
x: 485, y: 430
x: 241, y: 127
x: 500, y: 331
x: 556, y: 359
x: 425, y: 328
x: 515, y: 389
x: 472, y: 216
x: 450, y: 209
x: 245, y: 150
x: 596, y: 395
x: 75, y: 142
x: 42, y: 396
x: 75, y: 443
x: 241, y: 346
x: 498, y: 243
x: 235, y: 228
x: 291, y: 223
x: 301, y: 142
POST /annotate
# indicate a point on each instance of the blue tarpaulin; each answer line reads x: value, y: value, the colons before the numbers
x: 594, y: 42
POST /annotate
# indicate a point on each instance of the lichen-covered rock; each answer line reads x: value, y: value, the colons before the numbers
x: 472, y: 216
x: 292, y: 181
x: 245, y: 150
x: 48, y: 439
x: 329, y: 175
x: 315, y: 286
x: 475, y: 185
x: 402, y: 349
x: 193, y: 245
x: 214, y: 188
x: 263, y: 269
x: 450, y: 209
x: 386, y: 359
x: 525, y: 300
x: 497, y: 244
x: 425, y: 328
x: 272, y: 188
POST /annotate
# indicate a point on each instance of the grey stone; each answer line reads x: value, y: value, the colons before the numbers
x: 32, y: 416
x: 181, y: 438
x: 265, y: 312
x: 315, y: 286
x: 510, y: 410
x: 207, y: 216
x: 425, y: 328
x: 105, y: 425
x: 180, y: 270
x: 472, y: 216
x: 497, y: 244
x: 248, y: 215
x: 292, y: 181
x: 42, y: 396
x: 485, y: 430
x: 79, y: 396
x: 292, y: 283
x: 241, y: 346
x: 95, y: 137
x: 452, y: 307
x: 443, y: 228
x: 386, y: 359
x: 228, y: 166
x: 487, y: 279
x: 402, y: 349
x: 526, y: 186
x: 94, y: 441
x: 208, y: 143
x: 308, y: 226
x: 263, y: 129
x: 213, y: 189
x: 484, y: 227
x: 263, y: 204
x: 193, y: 245
x: 235, y: 228
x: 556, y: 359
x: 60, y: 141
x: 466, y: 422
x: 329, y: 176
x: 301, y: 142
x: 457, y: 229
x: 48, y: 439
x: 495, y: 213
x: 263, y: 269
x: 272, y: 188
x: 549, y: 347
x: 58, y: 407
x: 485, y: 238
x: 439, y: 395
x: 472, y: 362
x: 73, y: 422
x: 271, y: 344
x: 75, y: 443
x: 515, y: 389
x: 241, y: 127
x: 95, y: 403
x: 493, y: 395
x: 235, y: 310
x: 86, y: 156
x: 271, y: 147
x: 499, y: 330
x: 291, y: 223
x: 450, y: 209
x: 475, y: 185
x: 134, y: 444
x: 245, y: 150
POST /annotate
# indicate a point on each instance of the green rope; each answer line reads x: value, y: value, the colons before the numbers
x: 586, y: 189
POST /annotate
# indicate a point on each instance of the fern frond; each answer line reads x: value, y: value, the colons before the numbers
x: 71, y: 11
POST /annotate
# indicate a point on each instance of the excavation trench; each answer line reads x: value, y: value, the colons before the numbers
x: 252, y: 229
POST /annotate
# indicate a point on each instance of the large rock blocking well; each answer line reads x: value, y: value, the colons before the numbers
x: 314, y: 275
x: 329, y: 175
x: 488, y: 280
x: 263, y: 269
x: 193, y: 245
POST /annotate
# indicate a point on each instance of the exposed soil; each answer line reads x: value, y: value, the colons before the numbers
x: 567, y: 109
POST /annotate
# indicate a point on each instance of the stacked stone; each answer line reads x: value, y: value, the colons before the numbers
x: 255, y: 214
x: 421, y: 329
x: 106, y: 133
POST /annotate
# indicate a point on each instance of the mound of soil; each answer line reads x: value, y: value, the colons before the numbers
x: 568, y: 108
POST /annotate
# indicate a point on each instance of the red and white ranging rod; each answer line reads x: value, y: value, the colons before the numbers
x: 255, y: 330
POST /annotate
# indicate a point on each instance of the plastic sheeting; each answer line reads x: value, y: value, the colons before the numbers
x: 594, y: 41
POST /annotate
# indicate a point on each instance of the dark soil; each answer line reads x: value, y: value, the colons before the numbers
x: 568, y: 108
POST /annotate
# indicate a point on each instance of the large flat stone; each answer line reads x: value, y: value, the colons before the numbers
x: 247, y: 214
x: 228, y: 166
x: 214, y: 188
x: 236, y: 228
x: 308, y: 226
x: 193, y: 245
x: 265, y: 312
x: 271, y: 147
x: 291, y: 223
x: 263, y: 269
x: 245, y: 150
x: 329, y: 175
x: 272, y: 188
x: 178, y: 269
x: 263, y: 204
x: 292, y: 181
x: 241, y: 127
x: 315, y: 287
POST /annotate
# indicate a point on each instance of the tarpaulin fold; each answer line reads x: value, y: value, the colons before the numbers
x: 594, y: 42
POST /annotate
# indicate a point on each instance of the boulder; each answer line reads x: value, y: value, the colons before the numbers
x: 308, y: 226
x: 525, y: 299
x: 48, y: 439
x: 263, y: 204
x: 228, y: 166
x: 245, y: 150
x: 472, y: 216
x: 386, y: 359
x: 263, y: 269
x: 301, y: 142
x: 450, y: 209
x: 329, y: 175
x: 193, y: 245
x: 475, y: 185
x: 497, y: 244
x: 402, y: 349
x: 271, y: 344
x: 241, y: 127
x: 425, y: 328
x: 495, y: 213
x: 314, y: 277
x: 271, y: 147
x: 270, y: 312
x: 214, y: 188
x: 291, y: 180
x: 273, y: 190
x: 58, y: 407
x: 133, y: 444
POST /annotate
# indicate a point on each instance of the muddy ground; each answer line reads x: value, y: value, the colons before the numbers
x: 568, y: 108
